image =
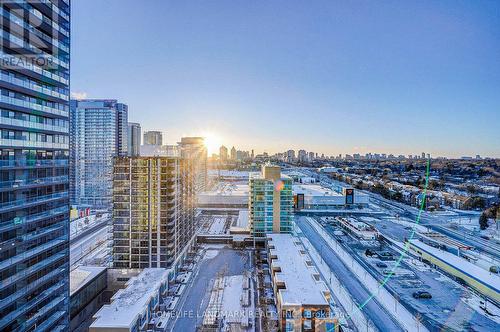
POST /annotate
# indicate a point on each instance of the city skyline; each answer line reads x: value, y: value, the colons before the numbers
x: 428, y: 86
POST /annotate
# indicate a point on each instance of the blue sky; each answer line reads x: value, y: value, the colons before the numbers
x: 326, y: 76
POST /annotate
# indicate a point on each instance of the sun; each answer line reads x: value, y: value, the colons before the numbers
x: 212, y: 143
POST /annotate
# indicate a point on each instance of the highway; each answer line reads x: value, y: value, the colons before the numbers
x: 380, y: 317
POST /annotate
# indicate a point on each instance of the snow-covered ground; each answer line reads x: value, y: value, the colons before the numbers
x: 483, y: 307
x: 79, y: 225
x: 404, y: 317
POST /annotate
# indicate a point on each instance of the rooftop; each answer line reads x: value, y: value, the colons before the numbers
x: 83, y: 275
x: 303, y: 285
x: 489, y: 279
x: 228, y: 189
x: 313, y: 190
x: 127, y: 304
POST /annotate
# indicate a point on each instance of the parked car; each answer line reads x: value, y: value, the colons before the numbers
x: 422, y: 295
x: 370, y: 253
x: 381, y: 265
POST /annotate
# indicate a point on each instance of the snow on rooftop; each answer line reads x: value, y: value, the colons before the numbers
x: 489, y: 279
x: 127, y: 304
x: 313, y: 190
x: 242, y: 221
x: 81, y: 275
x: 302, y: 288
x: 228, y: 189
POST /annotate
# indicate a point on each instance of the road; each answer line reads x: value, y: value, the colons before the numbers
x: 194, y: 300
x: 380, y: 317
x: 91, y: 229
x: 434, y: 222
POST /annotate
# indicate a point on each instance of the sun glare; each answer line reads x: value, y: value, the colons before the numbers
x: 213, y: 143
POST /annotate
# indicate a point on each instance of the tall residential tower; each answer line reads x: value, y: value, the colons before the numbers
x: 153, y: 210
x: 153, y: 138
x: 134, y: 139
x: 271, y: 202
x: 194, y: 148
x: 34, y: 154
x: 99, y: 133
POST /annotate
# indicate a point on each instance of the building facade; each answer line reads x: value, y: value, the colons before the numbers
x: 270, y: 202
x: 153, y: 138
x: 223, y: 153
x: 194, y: 148
x: 100, y: 133
x: 134, y: 139
x: 34, y: 165
x: 153, y: 210
x: 291, y: 274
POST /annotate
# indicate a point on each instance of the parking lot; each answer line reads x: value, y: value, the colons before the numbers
x: 447, y: 306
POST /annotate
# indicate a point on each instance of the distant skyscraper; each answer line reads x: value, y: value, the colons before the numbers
x: 34, y: 165
x: 194, y: 148
x: 153, y: 138
x: 223, y: 153
x: 302, y: 156
x: 290, y: 156
x: 134, y: 139
x: 271, y: 202
x: 101, y: 131
x: 153, y: 210
x: 233, y: 153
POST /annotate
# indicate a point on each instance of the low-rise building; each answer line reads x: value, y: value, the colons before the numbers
x: 87, y: 285
x: 317, y: 197
x: 132, y: 308
x: 224, y: 195
x: 302, y: 298
x: 358, y: 228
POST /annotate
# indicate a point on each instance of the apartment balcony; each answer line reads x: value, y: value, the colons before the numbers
x: 29, y: 87
x: 37, y: 300
x: 26, y: 202
x: 32, y: 252
x: 20, y: 221
x: 35, y: 163
x: 37, y: 70
x: 27, y: 29
x: 18, y: 143
x: 16, y: 123
x: 46, y: 309
x: 45, y: 22
x: 29, y: 183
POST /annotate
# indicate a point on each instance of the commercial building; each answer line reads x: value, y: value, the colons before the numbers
x: 302, y: 298
x: 153, y: 210
x: 225, y: 195
x: 134, y: 139
x: 132, y: 308
x: 194, y: 148
x: 100, y: 133
x: 317, y: 197
x: 87, y: 294
x: 359, y: 229
x: 270, y: 202
x: 485, y: 282
x: 34, y: 165
x: 153, y: 138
